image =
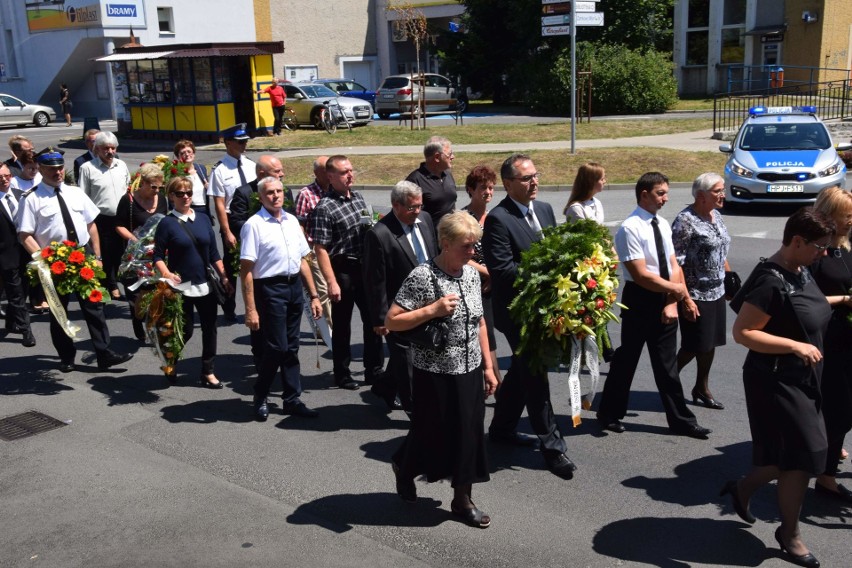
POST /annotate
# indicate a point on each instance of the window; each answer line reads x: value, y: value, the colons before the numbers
x: 733, y: 28
x: 164, y: 17
x: 696, y: 48
x: 697, y: 33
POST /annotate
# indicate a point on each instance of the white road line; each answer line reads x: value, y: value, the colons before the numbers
x: 757, y: 235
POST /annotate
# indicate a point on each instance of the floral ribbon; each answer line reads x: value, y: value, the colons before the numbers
x: 52, y: 297
x: 582, y: 350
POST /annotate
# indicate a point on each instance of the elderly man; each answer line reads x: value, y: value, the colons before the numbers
x: 435, y: 179
x: 13, y: 260
x: 653, y: 286
x: 232, y: 171
x: 88, y: 155
x: 306, y: 201
x: 18, y: 144
x: 104, y: 180
x: 398, y: 243
x: 54, y: 211
x: 278, y: 100
x: 272, y: 258
x: 510, y: 229
x: 240, y: 210
x: 337, y: 228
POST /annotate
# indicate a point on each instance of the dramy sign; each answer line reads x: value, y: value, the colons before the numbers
x: 49, y: 15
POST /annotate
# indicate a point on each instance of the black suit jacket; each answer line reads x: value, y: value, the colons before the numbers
x: 507, y: 234
x: 388, y: 258
x: 78, y: 163
x: 12, y: 254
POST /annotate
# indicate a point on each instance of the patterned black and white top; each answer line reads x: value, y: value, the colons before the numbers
x: 701, y: 248
x: 462, y: 353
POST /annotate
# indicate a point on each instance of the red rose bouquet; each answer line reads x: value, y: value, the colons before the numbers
x: 71, y: 270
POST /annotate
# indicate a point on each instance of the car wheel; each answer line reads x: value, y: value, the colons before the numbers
x: 41, y: 119
x: 384, y: 115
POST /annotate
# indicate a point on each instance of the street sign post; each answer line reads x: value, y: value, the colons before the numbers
x: 549, y: 31
x: 559, y: 20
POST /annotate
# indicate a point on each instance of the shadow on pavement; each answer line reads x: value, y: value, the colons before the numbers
x: 31, y: 375
x: 368, y: 509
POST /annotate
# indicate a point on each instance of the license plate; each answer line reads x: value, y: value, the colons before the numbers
x: 785, y: 188
x: 389, y: 96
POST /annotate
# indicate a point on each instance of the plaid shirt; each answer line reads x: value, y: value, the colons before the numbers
x: 306, y: 201
x: 336, y: 224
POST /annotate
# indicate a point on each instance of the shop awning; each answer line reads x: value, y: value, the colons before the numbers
x: 132, y: 56
x: 188, y: 50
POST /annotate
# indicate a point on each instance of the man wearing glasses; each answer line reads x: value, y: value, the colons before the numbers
x: 435, y: 179
x: 510, y: 229
x: 232, y: 171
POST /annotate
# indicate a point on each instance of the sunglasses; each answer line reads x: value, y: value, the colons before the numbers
x: 182, y: 193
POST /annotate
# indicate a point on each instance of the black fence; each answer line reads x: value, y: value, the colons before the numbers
x: 832, y: 99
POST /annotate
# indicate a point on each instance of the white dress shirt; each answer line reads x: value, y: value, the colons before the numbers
x: 225, y: 178
x: 635, y: 240
x: 276, y: 246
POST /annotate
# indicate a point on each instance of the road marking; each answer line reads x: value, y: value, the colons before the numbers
x: 757, y: 235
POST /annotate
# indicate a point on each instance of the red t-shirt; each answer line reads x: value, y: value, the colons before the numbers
x: 277, y: 95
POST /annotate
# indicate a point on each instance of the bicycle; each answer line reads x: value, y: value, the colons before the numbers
x: 332, y: 115
x: 288, y: 121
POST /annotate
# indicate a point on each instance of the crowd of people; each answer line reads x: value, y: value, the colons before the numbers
x: 434, y: 280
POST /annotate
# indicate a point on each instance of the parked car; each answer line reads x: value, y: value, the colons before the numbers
x: 307, y: 101
x: 397, y: 88
x: 15, y: 112
x: 349, y: 88
x: 782, y: 155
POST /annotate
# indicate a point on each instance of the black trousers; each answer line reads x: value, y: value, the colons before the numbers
x: 206, y: 307
x: 112, y: 248
x: 397, y: 379
x: 521, y: 387
x: 278, y: 113
x: 281, y: 305
x: 228, y: 261
x: 352, y: 293
x: 93, y: 314
x: 641, y: 325
x: 15, y: 286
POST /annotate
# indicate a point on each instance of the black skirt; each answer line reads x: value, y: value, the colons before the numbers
x: 447, y: 438
x: 707, y: 331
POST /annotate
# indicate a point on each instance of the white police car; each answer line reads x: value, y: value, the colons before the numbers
x: 782, y: 155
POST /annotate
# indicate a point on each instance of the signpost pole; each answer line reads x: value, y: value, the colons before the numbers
x: 573, y: 76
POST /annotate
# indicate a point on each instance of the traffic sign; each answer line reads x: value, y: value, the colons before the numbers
x: 556, y: 20
x: 547, y: 31
x: 585, y: 6
x: 589, y: 18
x: 556, y: 8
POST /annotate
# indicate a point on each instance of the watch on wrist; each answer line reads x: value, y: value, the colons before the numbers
x: 314, y: 297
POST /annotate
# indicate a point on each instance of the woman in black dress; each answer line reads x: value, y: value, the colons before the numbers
x: 446, y: 438
x: 65, y: 102
x: 134, y: 208
x: 782, y: 319
x: 833, y: 275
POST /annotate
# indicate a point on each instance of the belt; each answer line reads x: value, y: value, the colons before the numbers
x: 282, y: 279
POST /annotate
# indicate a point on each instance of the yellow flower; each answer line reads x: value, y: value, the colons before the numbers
x: 564, y: 284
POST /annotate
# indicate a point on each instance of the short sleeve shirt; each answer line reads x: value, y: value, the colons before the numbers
x: 635, y: 240
x: 276, y: 246
x: 105, y: 185
x: 39, y: 214
x: 589, y: 209
x: 225, y: 178
x: 439, y: 192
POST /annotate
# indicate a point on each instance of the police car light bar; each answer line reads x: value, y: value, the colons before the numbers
x: 760, y: 110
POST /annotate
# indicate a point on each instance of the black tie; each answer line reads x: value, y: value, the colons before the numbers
x: 66, y: 218
x: 661, y: 250
x: 242, y: 175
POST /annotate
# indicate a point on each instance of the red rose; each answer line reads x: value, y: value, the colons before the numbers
x: 57, y: 267
x: 87, y: 273
x: 69, y: 243
x: 174, y: 171
x: 46, y: 252
x: 77, y: 257
x: 96, y: 296
x: 599, y: 303
x: 588, y: 320
x: 581, y: 311
x: 591, y: 284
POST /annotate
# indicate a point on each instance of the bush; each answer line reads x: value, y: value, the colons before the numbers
x: 624, y: 81
x: 847, y: 158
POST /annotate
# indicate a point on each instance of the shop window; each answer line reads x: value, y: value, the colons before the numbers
x: 203, y: 80
x: 182, y: 80
x: 166, y: 21
x: 221, y: 80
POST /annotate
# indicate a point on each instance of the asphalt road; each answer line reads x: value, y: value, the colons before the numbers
x: 145, y: 474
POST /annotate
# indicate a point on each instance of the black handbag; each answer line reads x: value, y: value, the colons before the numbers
x: 432, y: 334
x: 733, y: 283
x: 214, y: 281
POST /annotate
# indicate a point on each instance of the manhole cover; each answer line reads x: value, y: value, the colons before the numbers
x: 27, y: 424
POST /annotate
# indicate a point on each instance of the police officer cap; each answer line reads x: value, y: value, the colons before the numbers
x: 236, y: 132
x: 51, y: 156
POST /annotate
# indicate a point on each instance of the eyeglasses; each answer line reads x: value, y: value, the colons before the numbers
x: 529, y: 178
x: 716, y: 191
x: 413, y: 208
x: 818, y: 246
x: 156, y: 187
x: 449, y: 155
x: 182, y: 193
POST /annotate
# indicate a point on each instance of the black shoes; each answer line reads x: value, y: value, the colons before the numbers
x: 405, y: 488
x: 111, y: 359
x: 707, y: 401
x: 391, y: 400
x: 231, y: 317
x: 611, y: 425
x: 842, y: 494
x: 348, y: 383
x: 560, y: 466
x: 298, y: 408
x: 693, y: 431
x: 261, y: 409
x: 731, y: 488
x: 29, y: 339
x: 208, y: 385
x: 808, y: 560
x: 512, y: 438
x: 472, y: 517
x: 66, y: 367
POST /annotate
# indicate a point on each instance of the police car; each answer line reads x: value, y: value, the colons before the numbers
x: 782, y: 155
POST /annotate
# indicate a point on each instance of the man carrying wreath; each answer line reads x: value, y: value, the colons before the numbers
x: 53, y: 211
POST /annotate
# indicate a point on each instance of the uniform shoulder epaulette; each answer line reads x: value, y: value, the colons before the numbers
x: 216, y: 165
x: 29, y: 191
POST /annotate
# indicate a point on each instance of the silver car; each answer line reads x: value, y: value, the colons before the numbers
x: 15, y: 112
x: 309, y: 100
x: 401, y: 88
x: 782, y: 155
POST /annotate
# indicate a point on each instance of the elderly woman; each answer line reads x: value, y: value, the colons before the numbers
x: 480, y: 188
x: 582, y: 204
x: 446, y: 438
x: 184, y: 151
x: 782, y: 319
x: 191, y: 245
x: 701, y: 245
x: 833, y: 275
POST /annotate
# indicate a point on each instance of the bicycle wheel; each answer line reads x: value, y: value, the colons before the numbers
x: 328, y: 122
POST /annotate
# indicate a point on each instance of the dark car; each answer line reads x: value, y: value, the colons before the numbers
x: 349, y: 88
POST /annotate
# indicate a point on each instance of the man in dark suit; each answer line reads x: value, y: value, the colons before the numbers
x: 18, y: 144
x: 88, y: 155
x: 400, y: 241
x: 510, y: 229
x: 13, y: 260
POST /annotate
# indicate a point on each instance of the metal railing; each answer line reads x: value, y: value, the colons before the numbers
x: 833, y: 100
x: 752, y: 78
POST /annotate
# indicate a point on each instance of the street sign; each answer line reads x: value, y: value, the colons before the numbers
x: 556, y: 8
x: 556, y: 20
x: 547, y: 31
x: 559, y: 1
x: 589, y: 18
x: 585, y: 6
